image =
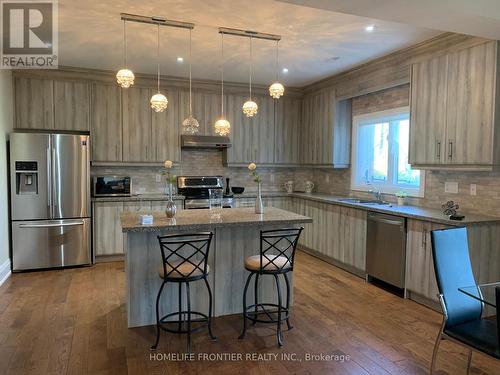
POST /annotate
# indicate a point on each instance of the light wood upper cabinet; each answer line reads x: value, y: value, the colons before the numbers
x: 470, y: 101
x: 71, y: 105
x: 106, y: 120
x: 428, y: 111
x: 454, y: 100
x: 34, y: 103
x: 241, y: 131
x: 166, y: 128
x: 287, y: 131
x: 324, y: 139
x: 262, y: 124
x: 137, y: 125
x: 206, y: 109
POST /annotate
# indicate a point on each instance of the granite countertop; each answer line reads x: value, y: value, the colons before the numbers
x: 414, y: 212
x: 137, y: 198
x: 198, y: 220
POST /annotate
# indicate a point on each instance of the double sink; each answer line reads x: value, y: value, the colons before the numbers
x: 365, y: 201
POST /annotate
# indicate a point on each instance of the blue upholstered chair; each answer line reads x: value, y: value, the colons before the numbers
x: 462, y: 321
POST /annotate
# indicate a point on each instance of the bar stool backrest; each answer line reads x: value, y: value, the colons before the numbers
x: 278, y: 243
x: 178, y: 250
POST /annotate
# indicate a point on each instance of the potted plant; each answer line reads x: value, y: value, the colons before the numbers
x: 401, y: 196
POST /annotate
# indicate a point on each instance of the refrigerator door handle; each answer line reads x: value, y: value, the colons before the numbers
x: 51, y: 225
x: 55, y: 192
x: 49, y: 180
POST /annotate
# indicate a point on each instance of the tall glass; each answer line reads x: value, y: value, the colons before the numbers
x: 215, y: 200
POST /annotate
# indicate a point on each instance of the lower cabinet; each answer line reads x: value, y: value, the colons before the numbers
x: 107, y: 231
x: 337, y: 232
x: 420, y: 276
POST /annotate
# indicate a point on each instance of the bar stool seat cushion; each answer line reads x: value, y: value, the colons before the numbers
x: 184, y: 270
x: 278, y: 262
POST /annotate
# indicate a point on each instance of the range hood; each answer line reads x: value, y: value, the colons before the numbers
x: 205, y: 141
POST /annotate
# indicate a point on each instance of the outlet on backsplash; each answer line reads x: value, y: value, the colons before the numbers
x: 451, y: 187
x: 158, y: 177
x: 473, y: 189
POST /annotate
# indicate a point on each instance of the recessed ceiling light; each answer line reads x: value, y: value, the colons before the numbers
x: 285, y: 70
x: 180, y: 59
x: 370, y: 28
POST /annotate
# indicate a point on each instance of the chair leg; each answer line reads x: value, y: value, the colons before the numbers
x: 436, y: 349
x: 287, y: 301
x: 180, y: 307
x: 188, y: 318
x: 279, y: 333
x: 469, y: 361
x: 210, y: 310
x: 242, y: 336
x: 155, y: 345
x: 256, y: 295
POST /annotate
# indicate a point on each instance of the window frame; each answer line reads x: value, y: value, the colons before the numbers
x: 386, y: 188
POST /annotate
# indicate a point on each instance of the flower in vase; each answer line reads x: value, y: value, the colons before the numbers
x: 252, y: 167
x: 168, y: 164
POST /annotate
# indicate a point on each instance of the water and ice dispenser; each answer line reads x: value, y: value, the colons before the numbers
x: 26, y: 178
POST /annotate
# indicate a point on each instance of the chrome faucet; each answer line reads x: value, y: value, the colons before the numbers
x: 377, y: 194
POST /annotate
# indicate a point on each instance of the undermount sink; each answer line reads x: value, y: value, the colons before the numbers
x: 363, y: 201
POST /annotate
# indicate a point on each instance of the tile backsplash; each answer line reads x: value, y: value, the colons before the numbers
x: 208, y: 163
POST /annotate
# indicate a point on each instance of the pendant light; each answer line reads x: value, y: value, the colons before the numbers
x: 222, y: 126
x: 250, y: 107
x: 158, y: 101
x: 190, y: 125
x: 125, y: 77
x: 276, y: 90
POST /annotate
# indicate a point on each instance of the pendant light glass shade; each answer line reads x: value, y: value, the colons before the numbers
x: 222, y: 126
x: 158, y: 101
x: 250, y: 108
x: 190, y: 125
x: 276, y: 90
x: 125, y: 77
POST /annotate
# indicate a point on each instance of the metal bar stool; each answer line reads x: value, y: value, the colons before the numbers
x: 184, y: 259
x: 277, y: 252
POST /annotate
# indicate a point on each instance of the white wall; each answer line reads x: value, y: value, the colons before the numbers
x: 6, y: 122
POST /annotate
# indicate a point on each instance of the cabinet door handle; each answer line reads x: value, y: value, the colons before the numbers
x: 116, y: 151
x: 146, y: 152
x: 450, y: 150
x: 438, y: 149
x: 424, y: 239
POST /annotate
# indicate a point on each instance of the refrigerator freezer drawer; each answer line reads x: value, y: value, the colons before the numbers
x: 50, y: 243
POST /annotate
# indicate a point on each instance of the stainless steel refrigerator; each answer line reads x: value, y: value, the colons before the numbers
x: 50, y: 200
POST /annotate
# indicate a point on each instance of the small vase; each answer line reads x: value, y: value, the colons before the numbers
x: 401, y: 201
x: 171, y: 208
x: 259, y: 207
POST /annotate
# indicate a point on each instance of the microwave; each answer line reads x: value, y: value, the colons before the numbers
x: 112, y: 186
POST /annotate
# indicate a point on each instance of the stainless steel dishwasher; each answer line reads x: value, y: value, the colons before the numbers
x: 386, y: 248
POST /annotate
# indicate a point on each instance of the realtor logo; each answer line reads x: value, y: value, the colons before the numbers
x: 29, y: 34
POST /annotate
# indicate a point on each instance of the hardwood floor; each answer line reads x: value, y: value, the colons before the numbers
x: 74, y: 322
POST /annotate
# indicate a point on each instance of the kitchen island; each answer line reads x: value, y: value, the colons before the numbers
x: 236, y: 236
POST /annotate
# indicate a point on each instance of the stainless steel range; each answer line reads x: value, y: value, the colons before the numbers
x: 195, y: 190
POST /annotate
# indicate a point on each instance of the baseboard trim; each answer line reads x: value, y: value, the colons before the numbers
x: 4, y: 271
x: 346, y: 267
x: 109, y: 258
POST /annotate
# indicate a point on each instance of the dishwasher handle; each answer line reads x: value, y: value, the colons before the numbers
x: 381, y: 219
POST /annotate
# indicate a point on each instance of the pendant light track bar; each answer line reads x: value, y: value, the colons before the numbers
x: 248, y: 34
x: 156, y: 21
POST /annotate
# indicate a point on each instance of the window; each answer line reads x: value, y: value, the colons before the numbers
x: 380, y: 153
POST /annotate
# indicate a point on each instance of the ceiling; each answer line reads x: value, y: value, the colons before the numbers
x: 315, y: 43
x: 473, y: 17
